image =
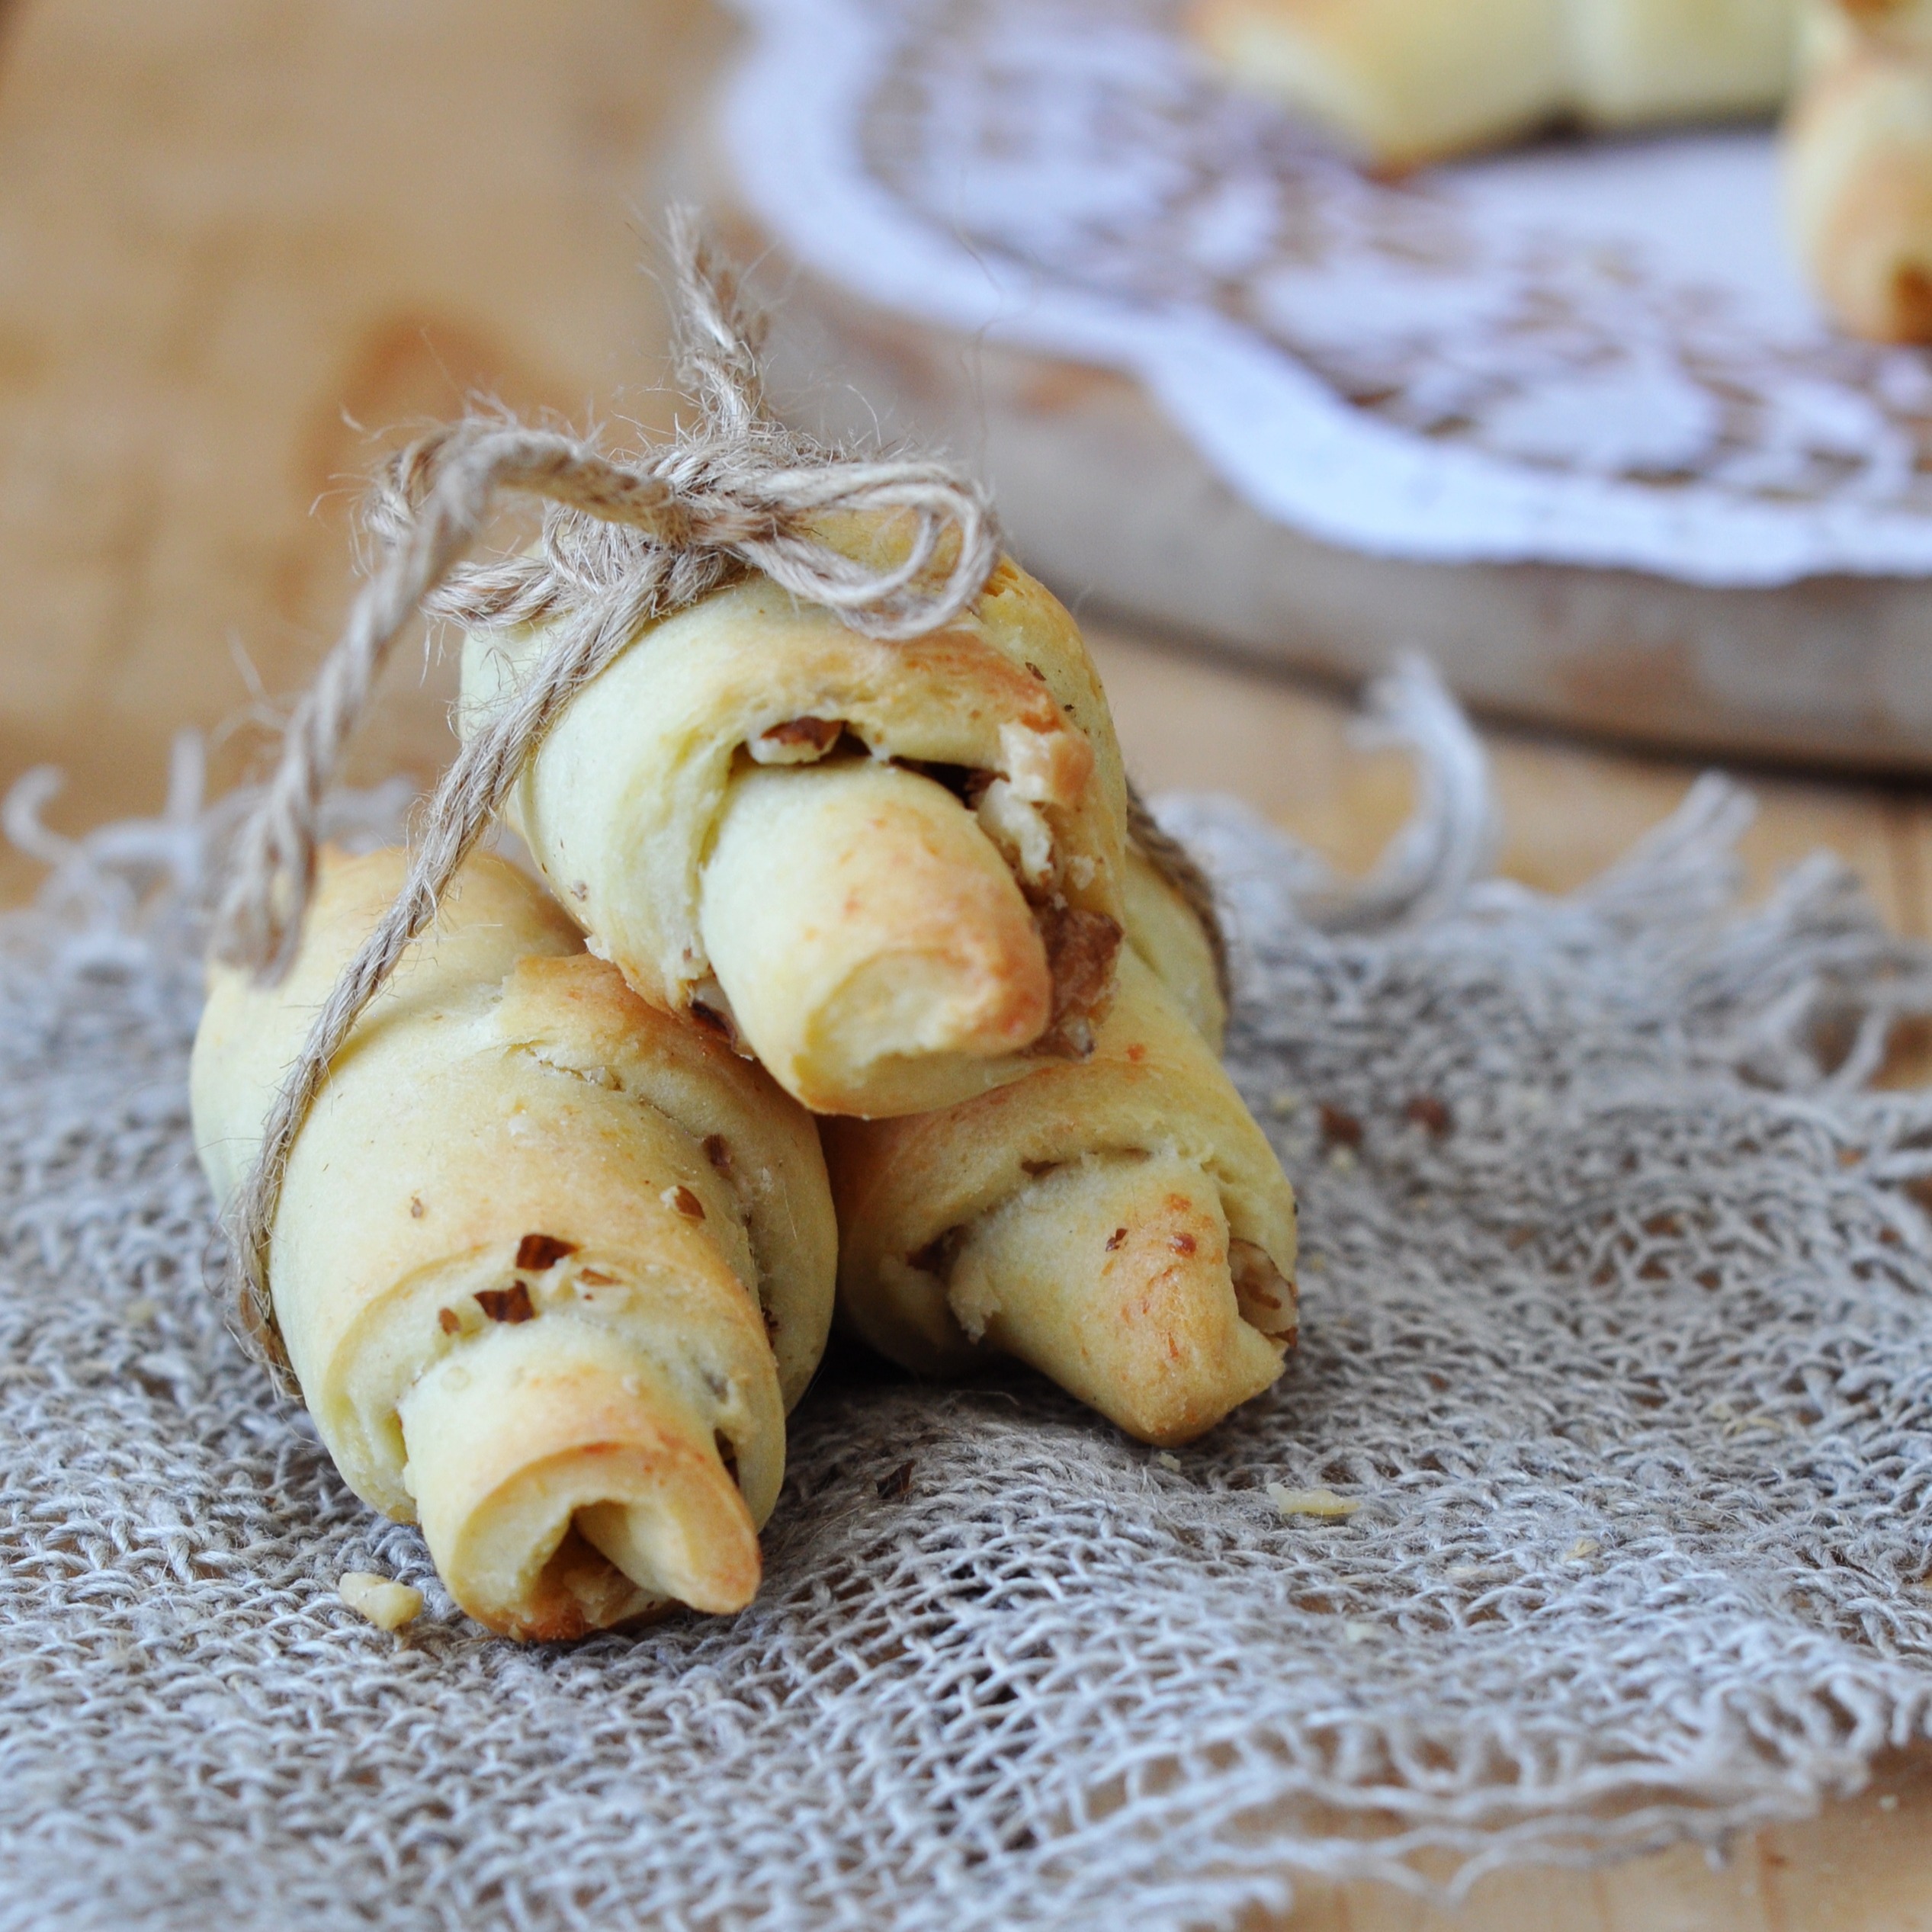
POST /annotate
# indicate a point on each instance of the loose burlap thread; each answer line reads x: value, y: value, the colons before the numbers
x: 1617, y: 1278
x: 623, y: 541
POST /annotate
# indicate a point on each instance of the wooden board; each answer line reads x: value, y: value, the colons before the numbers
x: 226, y: 223
x: 1113, y: 505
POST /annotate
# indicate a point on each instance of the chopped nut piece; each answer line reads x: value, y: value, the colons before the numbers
x: 1309, y: 1502
x: 448, y: 1320
x: 387, y: 1604
x: 686, y: 1202
x: 511, y: 1304
x: 895, y: 1487
x: 1183, y: 1243
x: 537, y: 1252
x: 1265, y: 1295
x: 1167, y: 1459
x: 1339, y: 1129
x: 1428, y: 1113
x: 717, y: 1151
x: 1115, y: 1239
x: 415, y: 1207
x: 594, y: 1278
x: 798, y: 741
x: 1082, y: 948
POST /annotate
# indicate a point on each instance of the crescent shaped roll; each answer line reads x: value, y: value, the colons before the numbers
x: 550, y: 1266
x: 890, y: 871
x: 1119, y: 1223
x: 1402, y: 82
x: 1858, y: 174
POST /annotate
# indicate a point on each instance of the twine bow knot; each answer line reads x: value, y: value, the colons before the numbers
x: 623, y: 542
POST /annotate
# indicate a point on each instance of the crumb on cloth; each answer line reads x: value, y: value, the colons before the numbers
x: 387, y: 1604
x: 1309, y: 1502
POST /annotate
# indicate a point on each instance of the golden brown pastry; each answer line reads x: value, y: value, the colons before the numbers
x: 1120, y: 1223
x: 1858, y: 167
x: 891, y: 871
x: 550, y: 1266
x: 1404, y: 81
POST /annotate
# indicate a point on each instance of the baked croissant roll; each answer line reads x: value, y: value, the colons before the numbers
x: 1404, y: 81
x: 1858, y: 168
x: 890, y: 871
x: 1119, y: 1223
x: 549, y: 1265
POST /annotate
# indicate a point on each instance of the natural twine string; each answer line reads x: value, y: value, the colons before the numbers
x: 623, y: 541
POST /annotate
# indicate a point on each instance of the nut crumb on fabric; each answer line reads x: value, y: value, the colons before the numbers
x: 1167, y: 1459
x: 386, y: 1603
x: 1309, y: 1502
x: 1357, y: 1631
x: 1582, y: 1549
x: 895, y: 1487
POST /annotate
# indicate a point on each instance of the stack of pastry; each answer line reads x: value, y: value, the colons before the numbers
x: 1858, y: 165
x: 555, y: 1250
x: 1404, y: 81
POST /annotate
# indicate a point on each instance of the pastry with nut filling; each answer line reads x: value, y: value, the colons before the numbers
x: 890, y: 871
x: 1120, y: 1223
x: 549, y: 1265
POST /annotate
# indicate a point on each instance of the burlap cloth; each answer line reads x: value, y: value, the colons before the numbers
x: 1616, y: 1331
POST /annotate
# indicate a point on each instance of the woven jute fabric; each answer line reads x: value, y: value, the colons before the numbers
x: 1616, y: 1335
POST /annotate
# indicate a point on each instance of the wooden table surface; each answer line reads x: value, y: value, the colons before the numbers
x: 237, y: 236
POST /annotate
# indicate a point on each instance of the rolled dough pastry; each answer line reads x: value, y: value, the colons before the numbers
x: 1858, y: 167
x: 550, y: 1265
x: 1120, y: 1223
x: 1404, y: 81
x: 891, y: 871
